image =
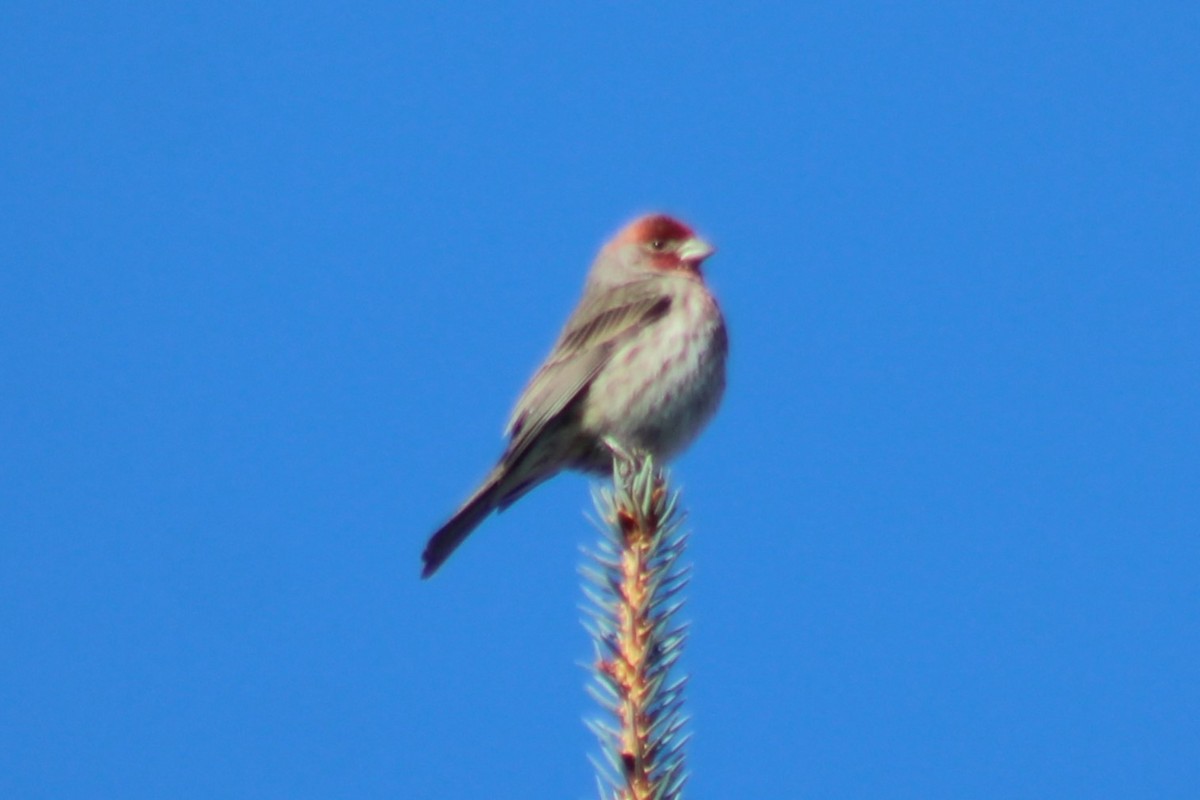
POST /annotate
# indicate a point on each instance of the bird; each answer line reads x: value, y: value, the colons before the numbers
x: 639, y: 366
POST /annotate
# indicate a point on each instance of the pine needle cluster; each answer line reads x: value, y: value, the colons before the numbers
x: 634, y: 584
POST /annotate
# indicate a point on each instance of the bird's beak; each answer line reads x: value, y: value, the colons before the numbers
x: 695, y: 250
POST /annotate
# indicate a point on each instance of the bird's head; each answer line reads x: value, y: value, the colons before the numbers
x: 664, y: 243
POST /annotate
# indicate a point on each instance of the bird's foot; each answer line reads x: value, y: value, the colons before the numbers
x: 626, y: 461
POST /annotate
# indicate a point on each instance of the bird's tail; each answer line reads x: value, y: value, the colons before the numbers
x: 448, y: 537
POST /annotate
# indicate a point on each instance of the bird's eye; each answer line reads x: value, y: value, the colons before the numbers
x: 658, y: 245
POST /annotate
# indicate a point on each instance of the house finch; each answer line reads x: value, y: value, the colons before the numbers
x: 639, y: 365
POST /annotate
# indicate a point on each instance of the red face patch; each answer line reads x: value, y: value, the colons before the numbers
x: 666, y: 243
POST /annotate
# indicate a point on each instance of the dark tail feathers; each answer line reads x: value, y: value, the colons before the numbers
x: 448, y: 537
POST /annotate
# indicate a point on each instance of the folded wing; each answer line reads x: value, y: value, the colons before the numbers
x: 600, y: 325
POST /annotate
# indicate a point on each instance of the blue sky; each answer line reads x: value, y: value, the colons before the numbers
x: 274, y: 275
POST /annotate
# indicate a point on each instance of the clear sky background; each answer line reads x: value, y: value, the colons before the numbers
x: 271, y: 278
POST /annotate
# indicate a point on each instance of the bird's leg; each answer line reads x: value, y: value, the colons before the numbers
x: 616, y: 448
x: 628, y: 461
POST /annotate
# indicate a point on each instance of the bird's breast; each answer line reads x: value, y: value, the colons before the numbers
x: 662, y: 385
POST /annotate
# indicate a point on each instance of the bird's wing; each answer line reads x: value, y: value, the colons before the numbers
x: 601, y: 323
